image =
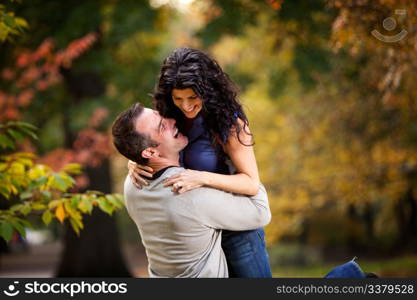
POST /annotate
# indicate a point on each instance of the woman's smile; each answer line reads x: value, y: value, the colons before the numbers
x: 187, y: 101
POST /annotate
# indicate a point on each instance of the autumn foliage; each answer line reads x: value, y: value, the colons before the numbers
x: 333, y: 112
x: 42, y: 186
x: 36, y: 71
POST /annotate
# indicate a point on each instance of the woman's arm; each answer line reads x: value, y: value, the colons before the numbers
x: 136, y: 172
x: 246, y: 181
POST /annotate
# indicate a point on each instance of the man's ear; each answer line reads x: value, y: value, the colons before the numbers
x: 150, y: 153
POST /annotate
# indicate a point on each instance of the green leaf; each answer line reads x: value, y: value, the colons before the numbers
x: 28, y: 132
x: 6, y: 231
x: 26, y: 209
x: 46, y: 217
x: 105, y: 206
x: 41, y: 181
x: 68, y: 180
x: 18, y: 167
x: 26, y: 155
x: 5, y: 142
x: 9, y: 20
x: 21, y: 23
x: 4, y: 191
x: 69, y: 209
x: 72, y: 168
x: 25, y: 125
x: 94, y: 193
x: 113, y: 200
x: 75, y: 200
x: 26, y: 223
x: 20, y: 228
x: 75, y: 226
x: 16, y: 207
x: 15, y: 135
x: 38, y: 206
x: 85, y: 205
x: 119, y: 197
x: 46, y: 194
x: 54, y: 203
x: 59, y: 183
x: 26, y: 195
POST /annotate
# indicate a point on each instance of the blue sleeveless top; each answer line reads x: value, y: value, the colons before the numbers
x: 200, y: 154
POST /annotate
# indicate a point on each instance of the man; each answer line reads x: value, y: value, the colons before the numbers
x: 181, y: 232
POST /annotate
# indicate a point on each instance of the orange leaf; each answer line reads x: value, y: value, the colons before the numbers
x: 60, y: 213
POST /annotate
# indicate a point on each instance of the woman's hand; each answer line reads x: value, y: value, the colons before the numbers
x: 186, y: 181
x: 136, y: 172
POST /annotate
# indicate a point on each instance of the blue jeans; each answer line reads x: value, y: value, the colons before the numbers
x: 348, y: 270
x: 246, y: 253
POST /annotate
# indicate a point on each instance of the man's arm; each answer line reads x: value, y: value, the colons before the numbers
x: 222, y: 210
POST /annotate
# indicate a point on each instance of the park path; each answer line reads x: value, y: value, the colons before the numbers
x: 40, y: 261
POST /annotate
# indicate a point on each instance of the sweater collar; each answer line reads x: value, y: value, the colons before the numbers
x: 159, y: 173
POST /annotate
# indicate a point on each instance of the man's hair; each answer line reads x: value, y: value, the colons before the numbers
x: 127, y: 140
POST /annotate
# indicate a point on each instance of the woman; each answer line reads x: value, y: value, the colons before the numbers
x: 195, y: 91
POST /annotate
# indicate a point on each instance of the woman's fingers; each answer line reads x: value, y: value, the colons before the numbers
x: 140, y: 179
x: 145, y: 168
x: 141, y: 172
x: 132, y: 176
x: 137, y: 185
x: 172, y: 180
x: 183, y: 182
x: 183, y: 189
x: 186, y: 188
x: 136, y: 172
x: 175, y: 187
x: 131, y: 164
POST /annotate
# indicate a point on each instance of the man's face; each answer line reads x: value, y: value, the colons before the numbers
x: 163, y: 131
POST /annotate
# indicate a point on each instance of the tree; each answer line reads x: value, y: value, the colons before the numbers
x: 35, y: 188
x: 128, y: 43
x: 332, y: 108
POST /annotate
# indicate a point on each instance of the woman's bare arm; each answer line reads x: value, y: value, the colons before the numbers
x: 246, y: 181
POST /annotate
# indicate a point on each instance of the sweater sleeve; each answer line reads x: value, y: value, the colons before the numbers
x: 222, y: 210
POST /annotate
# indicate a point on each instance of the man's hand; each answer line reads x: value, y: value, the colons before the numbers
x: 186, y: 181
x: 136, y: 172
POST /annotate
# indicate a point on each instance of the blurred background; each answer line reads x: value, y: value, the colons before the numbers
x: 328, y: 86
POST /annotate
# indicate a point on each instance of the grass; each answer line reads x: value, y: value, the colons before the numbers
x: 405, y: 266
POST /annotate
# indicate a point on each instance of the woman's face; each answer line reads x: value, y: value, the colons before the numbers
x: 187, y: 101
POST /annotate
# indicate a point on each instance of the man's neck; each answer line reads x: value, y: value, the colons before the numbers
x: 162, y: 163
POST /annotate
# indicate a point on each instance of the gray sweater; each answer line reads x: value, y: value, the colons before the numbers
x: 182, y: 232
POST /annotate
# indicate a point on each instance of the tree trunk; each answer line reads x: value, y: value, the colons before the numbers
x: 406, y: 212
x: 96, y: 252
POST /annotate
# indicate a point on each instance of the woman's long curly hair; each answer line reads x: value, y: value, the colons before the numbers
x: 190, y: 68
